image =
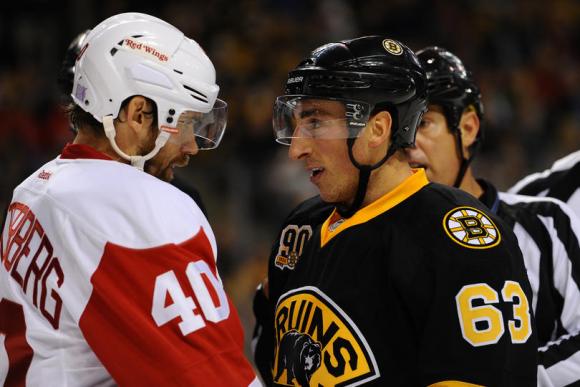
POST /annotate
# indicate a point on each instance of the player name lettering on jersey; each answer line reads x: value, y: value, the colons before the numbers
x: 27, y: 254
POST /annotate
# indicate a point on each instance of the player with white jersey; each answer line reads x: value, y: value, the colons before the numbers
x: 560, y: 181
x: 108, y: 274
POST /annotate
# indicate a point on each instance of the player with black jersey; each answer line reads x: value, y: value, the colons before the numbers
x: 405, y: 282
x: 547, y: 230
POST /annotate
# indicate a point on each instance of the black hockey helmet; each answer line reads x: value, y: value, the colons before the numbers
x: 367, y: 75
x: 451, y: 86
x: 383, y: 73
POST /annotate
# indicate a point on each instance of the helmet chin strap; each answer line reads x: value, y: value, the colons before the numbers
x: 363, y: 179
x: 137, y: 161
x: 464, y: 161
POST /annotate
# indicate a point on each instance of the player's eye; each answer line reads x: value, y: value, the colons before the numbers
x: 314, y: 123
x: 424, y: 123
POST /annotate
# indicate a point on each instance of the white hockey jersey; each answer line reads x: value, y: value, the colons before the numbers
x: 108, y: 276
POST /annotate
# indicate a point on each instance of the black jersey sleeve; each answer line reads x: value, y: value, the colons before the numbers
x: 286, y: 250
x: 263, y: 335
x: 477, y: 326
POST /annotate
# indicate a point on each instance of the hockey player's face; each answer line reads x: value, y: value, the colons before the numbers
x: 326, y: 159
x: 176, y: 152
x: 435, y: 148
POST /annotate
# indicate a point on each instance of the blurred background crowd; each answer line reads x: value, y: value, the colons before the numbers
x: 524, y: 54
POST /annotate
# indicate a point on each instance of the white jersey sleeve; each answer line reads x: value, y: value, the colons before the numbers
x: 548, y: 234
x: 560, y: 181
x: 110, y: 275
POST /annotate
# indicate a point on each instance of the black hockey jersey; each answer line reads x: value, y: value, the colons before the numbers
x: 421, y: 287
x: 296, y: 230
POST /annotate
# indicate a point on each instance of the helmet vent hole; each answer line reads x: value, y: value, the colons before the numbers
x: 113, y: 51
x: 197, y: 93
x: 199, y: 99
x: 178, y: 72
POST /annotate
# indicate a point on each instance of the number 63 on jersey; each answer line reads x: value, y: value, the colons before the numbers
x: 484, y: 324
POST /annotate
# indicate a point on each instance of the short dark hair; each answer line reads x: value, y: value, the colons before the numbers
x: 79, y: 118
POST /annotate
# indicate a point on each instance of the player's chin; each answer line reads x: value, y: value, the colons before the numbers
x: 167, y: 174
x: 416, y: 165
x: 328, y: 196
x: 163, y: 173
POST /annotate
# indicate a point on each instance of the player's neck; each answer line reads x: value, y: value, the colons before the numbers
x: 99, y: 143
x: 386, y: 178
x: 470, y: 185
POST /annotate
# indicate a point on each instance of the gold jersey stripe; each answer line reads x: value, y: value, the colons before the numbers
x: 408, y: 187
x: 453, y: 383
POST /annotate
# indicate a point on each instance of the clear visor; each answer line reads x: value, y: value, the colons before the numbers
x: 206, y: 129
x: 300, y: 116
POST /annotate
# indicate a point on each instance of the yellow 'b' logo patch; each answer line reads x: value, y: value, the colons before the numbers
x: 471, y: 228
x: 392, y: 47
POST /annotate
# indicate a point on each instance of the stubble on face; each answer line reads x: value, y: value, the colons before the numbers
x: 340, y: 181
x: 174, y: 154
x: 163, y: 164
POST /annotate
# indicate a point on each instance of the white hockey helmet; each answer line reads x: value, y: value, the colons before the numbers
x: 137, y: 54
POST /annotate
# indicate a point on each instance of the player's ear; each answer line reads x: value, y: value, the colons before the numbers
x: 138, y: 114
x: 469, y: 126
x: 379, y: 127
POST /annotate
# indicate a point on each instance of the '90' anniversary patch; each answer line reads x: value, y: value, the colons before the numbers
x: 471, y: 228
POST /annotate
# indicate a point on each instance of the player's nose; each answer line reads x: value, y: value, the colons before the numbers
x: 190, y: 147
x: 299, y: 148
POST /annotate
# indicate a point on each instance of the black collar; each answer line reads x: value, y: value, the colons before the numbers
x: 489, y: 197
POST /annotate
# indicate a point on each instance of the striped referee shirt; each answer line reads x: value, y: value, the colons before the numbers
x: 561, y: 181
x: 547, y: 231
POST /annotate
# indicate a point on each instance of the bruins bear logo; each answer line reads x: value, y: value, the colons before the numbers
x: 299, y: 355
x: 318, y: 344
